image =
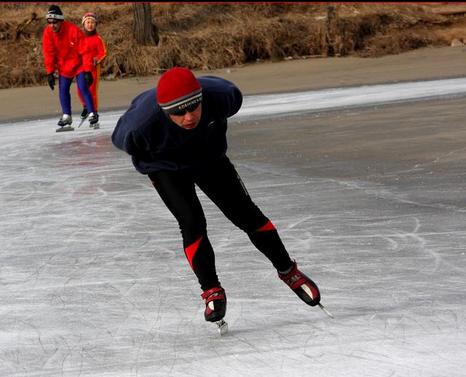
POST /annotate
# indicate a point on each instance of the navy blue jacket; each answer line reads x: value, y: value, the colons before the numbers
x: 156, y: 143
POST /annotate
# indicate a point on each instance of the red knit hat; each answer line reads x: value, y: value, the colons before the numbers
x: 178, y: 89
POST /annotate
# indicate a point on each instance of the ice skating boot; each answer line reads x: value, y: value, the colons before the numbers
x: 302, y: 285
x: 94, y: 120
x: 215, y: 307
x: 215, y: 304
x: 65, y: 123
x: 65, y: 120
x: 84, y: 113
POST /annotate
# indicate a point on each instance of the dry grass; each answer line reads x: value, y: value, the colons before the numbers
x: 210, y: 36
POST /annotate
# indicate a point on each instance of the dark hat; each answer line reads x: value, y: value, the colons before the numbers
x: 178, y: 89
x: 55, y: 13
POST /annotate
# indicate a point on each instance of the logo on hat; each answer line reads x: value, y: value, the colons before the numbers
x: 54, y: 13
x: 178, y: 89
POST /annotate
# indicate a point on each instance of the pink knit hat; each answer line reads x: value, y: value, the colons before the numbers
x: 89, y: 15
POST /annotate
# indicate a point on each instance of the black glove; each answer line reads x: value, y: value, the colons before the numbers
x: 88, y: 78
x: 51, y: 80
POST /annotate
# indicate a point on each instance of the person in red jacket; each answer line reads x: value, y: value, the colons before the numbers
x: 64, y: 51
x: 97, y: 49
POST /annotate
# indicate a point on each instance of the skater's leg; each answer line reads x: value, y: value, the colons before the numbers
x: 64, y: 84
x: 230, y: 195
x: 266, y: 239
x: 80, y: 96
x: 177, y: 191
x: 224, y: 187
x: 94, y: 88
x: 86, y: 94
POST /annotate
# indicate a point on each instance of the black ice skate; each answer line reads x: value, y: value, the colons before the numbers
x: 302, y: 285
x: 215, y: 307
x: 65, y: 123
x: 84, y: 113
x: 94, y: 120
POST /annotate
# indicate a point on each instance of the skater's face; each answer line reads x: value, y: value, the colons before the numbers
x: 54, y: 24
x: 188, y: 120
x: 89, y: 24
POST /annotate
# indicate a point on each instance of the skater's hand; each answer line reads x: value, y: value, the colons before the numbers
x: 51, y: 80
x: 88, y: 78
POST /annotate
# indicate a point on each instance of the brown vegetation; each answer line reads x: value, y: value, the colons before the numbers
x: 216, y: 35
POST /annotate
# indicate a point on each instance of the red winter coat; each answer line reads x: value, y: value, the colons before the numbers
x: 96, y: 48
x: 65, y: 51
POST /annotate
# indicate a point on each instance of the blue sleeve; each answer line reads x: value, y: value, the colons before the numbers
x: 232, y: 100
x: 224, y: 94
x: 127, y: 134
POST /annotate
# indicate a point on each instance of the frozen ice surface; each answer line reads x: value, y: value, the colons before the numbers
x: 369, y: 201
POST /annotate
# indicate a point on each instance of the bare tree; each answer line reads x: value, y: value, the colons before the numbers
x: 144, y: 31
x: 331, y: 26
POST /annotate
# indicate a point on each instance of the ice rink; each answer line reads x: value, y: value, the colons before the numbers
x: 366, y: 186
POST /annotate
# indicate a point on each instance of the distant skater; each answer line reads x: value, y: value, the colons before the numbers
x: 65, y: 52
x: 98, y: 51
x: 176, y: 134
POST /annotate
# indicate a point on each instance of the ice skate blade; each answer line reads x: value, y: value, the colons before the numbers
x: 326, y: 311
x: 222, y: 327
x: 95, y: 126
x: 64, y: 129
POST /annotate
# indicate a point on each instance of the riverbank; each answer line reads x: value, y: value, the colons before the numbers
x: 295, y: 75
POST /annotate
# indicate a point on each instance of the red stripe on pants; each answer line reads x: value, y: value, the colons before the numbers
x: 267, y: 227
x: 191, y: 251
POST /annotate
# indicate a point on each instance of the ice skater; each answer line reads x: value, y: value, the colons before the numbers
x: 176, y: 134
x: 65, y: 52
x: 98, y: 51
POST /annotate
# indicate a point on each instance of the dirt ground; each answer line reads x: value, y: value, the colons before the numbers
x: 294, y: 75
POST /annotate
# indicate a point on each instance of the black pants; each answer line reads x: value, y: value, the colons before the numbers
x: 222, y: 184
